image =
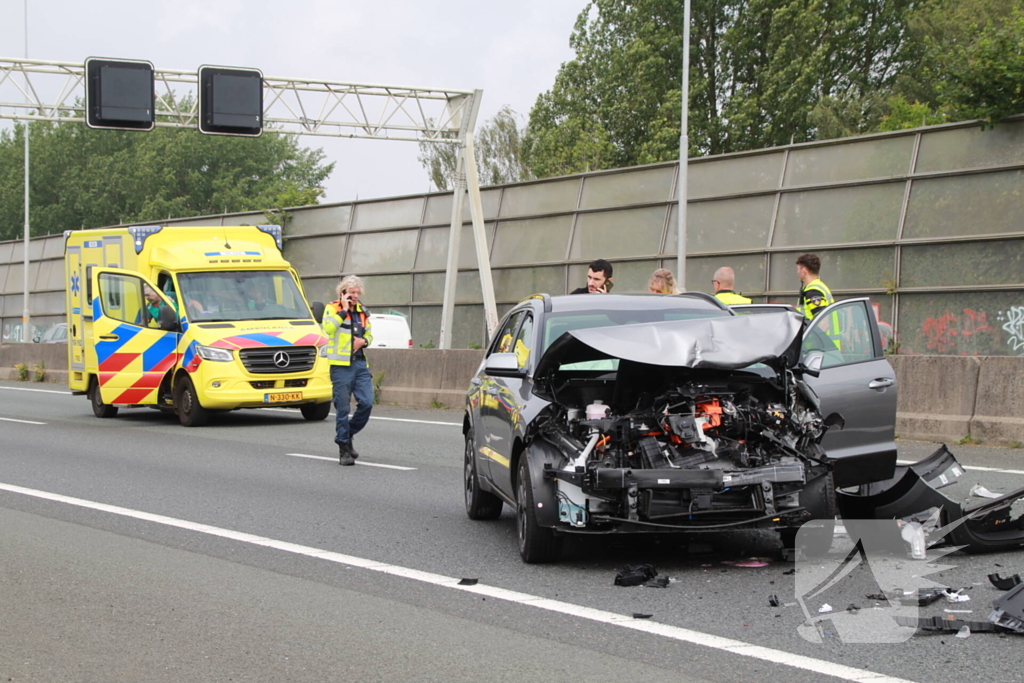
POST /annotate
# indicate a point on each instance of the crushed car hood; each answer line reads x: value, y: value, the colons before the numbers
x: 727, y: 343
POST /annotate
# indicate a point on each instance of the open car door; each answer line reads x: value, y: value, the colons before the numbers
x: 133, y: 354
x: 855, y: 380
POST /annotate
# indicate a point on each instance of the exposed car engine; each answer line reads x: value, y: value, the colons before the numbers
x: 737, y: 450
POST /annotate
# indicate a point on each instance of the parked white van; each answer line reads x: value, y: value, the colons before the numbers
x: 390, y: 331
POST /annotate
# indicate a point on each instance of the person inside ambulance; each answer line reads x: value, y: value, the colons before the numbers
x: 153, y: 304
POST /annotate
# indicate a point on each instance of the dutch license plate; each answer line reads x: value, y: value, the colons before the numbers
x: 283, y: 398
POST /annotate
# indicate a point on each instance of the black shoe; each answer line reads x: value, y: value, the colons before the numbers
x: 352, y: 449
x: 345, y: 458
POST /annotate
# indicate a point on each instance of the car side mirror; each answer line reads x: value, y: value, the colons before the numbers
x: 503, y: 365
x: 317, y: 307
x: 813, y: 361
x: 168, y: 319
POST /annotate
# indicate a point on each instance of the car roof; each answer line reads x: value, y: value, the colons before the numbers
x: 622, y: 302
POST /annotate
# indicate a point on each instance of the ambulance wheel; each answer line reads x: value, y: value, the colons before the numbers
x: 314, y: 412
x: 99, y: 408
x: 186, y: 403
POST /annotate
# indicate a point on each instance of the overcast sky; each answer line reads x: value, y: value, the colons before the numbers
x: 511, y: 50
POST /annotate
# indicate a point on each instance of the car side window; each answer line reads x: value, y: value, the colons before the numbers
x: 843, y: 335
x: 503, y: 340
x: 524, y: 341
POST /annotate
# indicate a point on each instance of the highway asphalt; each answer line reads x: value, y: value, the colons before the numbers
x: 135, y: 549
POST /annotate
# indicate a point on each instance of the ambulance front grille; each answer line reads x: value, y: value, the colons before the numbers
x: 269, y: 359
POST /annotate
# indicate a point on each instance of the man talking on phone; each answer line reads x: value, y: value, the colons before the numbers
x: 599, y: 278
x: 347, y: 326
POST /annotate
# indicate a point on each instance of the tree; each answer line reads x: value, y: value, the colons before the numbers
x: 82, y: 178
x: 762, y: 73
x: 498, y: 150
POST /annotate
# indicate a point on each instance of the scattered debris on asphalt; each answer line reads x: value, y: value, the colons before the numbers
x: 1007, y: 617
x: 825, y: 609
x: 956, y: 596
x: 964, y: 632
x: 773, y: 600
x: 922, y: 598
x: 635, y: 575
x: 1004, y: 584
x: 638, y: 615
x: 659, y: 582
x: 980, y: 491
x: 468, y: 582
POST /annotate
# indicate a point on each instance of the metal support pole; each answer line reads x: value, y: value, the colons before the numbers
x: 26, y: 334
x: 454, y: 241
x: 451, y: 274
x: 684, y: 153
x: 483, y: 257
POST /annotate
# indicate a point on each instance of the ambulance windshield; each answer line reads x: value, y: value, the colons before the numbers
x: 241, y: 295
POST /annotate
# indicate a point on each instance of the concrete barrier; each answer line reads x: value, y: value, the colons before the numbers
x: 941, y: 398
x: 937, y: 395
x: 999, y: 409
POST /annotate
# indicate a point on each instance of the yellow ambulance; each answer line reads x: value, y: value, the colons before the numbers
x: 191, y: 320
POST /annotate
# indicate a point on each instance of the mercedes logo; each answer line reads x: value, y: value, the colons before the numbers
x: 282, y: 359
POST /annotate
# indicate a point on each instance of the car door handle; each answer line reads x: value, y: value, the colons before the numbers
x: 881, y: 383
x: 109, y: 337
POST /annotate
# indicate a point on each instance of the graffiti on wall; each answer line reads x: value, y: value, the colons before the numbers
x: 1014, y: 326
x: 967, y: 332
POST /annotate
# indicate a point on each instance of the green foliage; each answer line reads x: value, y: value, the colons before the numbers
x: 498, y: 149
x: 428, y: 345
x: 377, y: 380
x: 434, y: 403
x: 969, y: 441
x: 768, y: 72
x: 39, y: 371
x: 474, y: 345
x: 83, y: 178
x: 22, y: 369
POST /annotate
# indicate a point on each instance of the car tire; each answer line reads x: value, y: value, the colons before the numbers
x: 191, y: 413
x: 99, y: 408
x: 480, y: 504
x: 536, y: 543
x: 314, y: 412
x: 818, y: 542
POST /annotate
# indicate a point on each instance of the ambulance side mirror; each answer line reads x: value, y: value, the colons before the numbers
x: 168, y: 319
x: 318, y: 311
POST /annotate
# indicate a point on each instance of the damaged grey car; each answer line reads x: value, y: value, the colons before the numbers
x: 674, y: 414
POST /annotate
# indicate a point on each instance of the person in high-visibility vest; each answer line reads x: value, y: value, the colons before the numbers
x: 723, y: 282
x: 815, y: 294
x: 347, y: 326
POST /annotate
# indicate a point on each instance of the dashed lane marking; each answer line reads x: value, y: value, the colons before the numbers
x: 974, y: 468
x: 27, y: 422
x: 358, y: 462
x: 39, y: 391
x: 679, y: 634
x: 390, y: 419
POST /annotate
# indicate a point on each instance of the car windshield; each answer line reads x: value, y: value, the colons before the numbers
x: 241, y: 295
x: 557, y: 324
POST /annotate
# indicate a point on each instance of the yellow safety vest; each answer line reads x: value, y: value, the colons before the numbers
x: 826, y: 299
x: 731, y: 298
x: 337, y: 325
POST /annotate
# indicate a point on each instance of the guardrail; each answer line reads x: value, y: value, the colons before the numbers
x: 941, y: 398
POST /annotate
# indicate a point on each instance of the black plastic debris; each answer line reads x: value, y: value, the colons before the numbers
x: 1008, y: 609
x: 852, y: 608
x: 635, y: 575
x: 881, y: 597
x: 948, y: 624
x: 773, y: 600
x: 1004, y: 584
x: 789, y: 572
x: 659, y: 582
x: 468, y: 582
x: 638, y: 615
x: 922, y: 598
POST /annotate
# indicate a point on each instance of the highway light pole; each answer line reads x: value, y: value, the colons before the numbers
x: 26, y: 335
x: 684, y: 148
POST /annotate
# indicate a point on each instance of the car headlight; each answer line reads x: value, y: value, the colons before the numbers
x: 213, y: 353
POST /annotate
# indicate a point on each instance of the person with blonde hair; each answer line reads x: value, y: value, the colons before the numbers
x: 347, y: 326
x: 662, y: 282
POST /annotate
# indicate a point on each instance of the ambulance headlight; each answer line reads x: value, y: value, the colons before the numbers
x: 212, y: 353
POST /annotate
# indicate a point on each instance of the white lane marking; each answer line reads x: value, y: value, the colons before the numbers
x: 969, y: 467
x: 41, y: 391
x: 368, y: 464
x: 27, y: 422
x: 392, y: 419
x: 841, y: 671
